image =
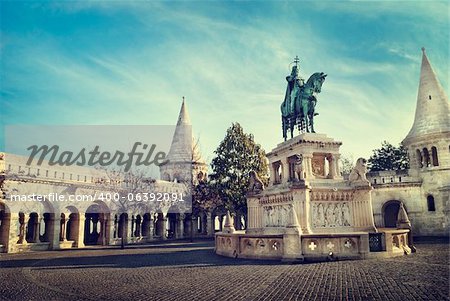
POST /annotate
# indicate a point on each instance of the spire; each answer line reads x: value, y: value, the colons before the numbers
x: 183, y: 117
x: 181, y: 148
x: 432, y: 109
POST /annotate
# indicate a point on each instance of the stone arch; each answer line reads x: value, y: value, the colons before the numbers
x: 390, y: 213
x: 71, y: 229
x: 96, y: 225
x: 434, y: 156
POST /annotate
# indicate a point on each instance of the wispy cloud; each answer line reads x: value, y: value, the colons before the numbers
x: 130, y: 63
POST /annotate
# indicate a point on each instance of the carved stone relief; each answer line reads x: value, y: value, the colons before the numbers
x: 330, y: 214
x: 276, y: 215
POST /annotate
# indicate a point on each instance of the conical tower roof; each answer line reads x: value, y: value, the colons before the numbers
x: 181, y: 147
x: 432, y: 109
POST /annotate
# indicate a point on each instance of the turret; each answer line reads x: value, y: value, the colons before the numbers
x: 428, y: 140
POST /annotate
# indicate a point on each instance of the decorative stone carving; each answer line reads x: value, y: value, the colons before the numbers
x: 402, y: 218
x: 255, y: 184
x: 330, y: 215
x: 298, y: 167
x: 318, y: 166
x: 229, y: 225
x: 358, y: 174
x: 276, y: 216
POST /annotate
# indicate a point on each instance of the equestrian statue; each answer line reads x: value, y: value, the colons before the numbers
x: 298, y: 107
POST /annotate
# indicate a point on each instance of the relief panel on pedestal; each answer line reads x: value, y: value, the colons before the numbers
x: 330, y: 214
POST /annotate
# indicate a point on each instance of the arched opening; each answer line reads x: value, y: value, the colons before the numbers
x: 146, y: 225
x: 434, y: 156
x: 138, y: 224
x: 426, y: 157
x: 419, y: 158
x: 95, y: 225
x: 172, y: 225
x: 430, y: 203
x: 32, y: 232
x: 390, y: 213
x: 123, y: 225
x: 278, y: 172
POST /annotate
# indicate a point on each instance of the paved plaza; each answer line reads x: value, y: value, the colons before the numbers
x: 191, y: 271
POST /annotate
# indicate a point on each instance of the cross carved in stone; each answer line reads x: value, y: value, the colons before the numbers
x: 330, y: 245
x: 348, y: 244
x: 312, y: 246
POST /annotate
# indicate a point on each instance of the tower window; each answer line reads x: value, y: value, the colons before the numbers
x: 429, y: 97
x: 419, y: 158
x: 426, y: 158
x: 430, y: 203
x: 434, y: 156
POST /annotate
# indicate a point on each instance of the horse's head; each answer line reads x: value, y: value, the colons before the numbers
x: 316, y: 80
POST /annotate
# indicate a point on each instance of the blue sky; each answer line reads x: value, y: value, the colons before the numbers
x: 131, y: 63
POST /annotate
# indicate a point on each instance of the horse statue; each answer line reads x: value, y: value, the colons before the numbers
x: 298, y: 107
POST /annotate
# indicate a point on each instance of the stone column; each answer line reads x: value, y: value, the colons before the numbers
x: 129, y: 229
x: 194, y: 226
x: 54, y: 227
x: 151, y: 227
x: 80, y: 237
x: 210, y: 227
x: 13, y: 235
x: 285, y: 170
x: 113, y: 229
x: 64, y: 232
x: 164, y: 227
x: 37, y: 228
x: 180, y: 230
x: 336, y: 165
x: 221, y: 223
x: 273, y: 174
x: 307, y: 161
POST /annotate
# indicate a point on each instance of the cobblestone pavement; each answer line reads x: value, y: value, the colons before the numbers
x: 191, y: 271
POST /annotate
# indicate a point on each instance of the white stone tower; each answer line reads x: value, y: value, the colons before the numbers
x: 428, y: 141
x: 185, y: 160
x: 428, y: 145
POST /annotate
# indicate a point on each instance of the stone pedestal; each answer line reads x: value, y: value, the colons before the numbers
x: 308, y: 211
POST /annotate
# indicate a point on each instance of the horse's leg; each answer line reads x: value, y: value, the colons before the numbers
x: 305, y: 116
x: 284, y: 128
x: 311, y: 118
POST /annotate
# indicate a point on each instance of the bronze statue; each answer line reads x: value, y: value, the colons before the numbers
x: 298, y: 107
